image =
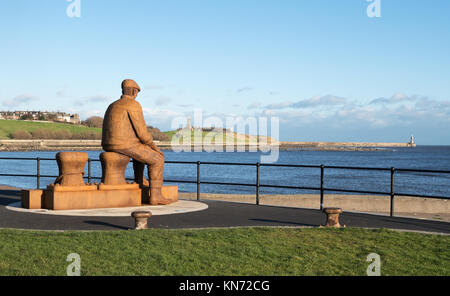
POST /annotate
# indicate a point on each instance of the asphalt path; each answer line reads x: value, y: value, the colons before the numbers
x: 218, y: 214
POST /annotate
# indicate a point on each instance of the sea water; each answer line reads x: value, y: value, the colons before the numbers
x: 420, y: 157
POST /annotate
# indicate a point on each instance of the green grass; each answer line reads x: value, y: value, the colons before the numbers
x: 211, y: 137
x: 7, y: 127
x: 237, y: 251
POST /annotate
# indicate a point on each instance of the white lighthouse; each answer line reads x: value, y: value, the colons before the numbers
x: 412, y: 142
x: 188, y: 123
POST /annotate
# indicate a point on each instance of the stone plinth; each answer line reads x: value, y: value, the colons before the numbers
x: 32, y: 199
x: 69, y: 192
x: 92, y: 197
x: 168, y: 192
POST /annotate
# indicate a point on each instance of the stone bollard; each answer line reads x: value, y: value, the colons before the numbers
x: 113, y: 168
x: 141, y: 219
x: 333, y: 217
x: 71, y: 168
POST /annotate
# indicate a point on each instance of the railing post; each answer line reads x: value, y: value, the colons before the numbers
x: 392, y: 192
x: 258, y: 166
x: 89, y: 170
x: 38, y: 173
x: 198, y: 180
x: 322, y: 169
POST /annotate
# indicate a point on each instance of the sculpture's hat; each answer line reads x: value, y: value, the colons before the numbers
x: 128, y: 83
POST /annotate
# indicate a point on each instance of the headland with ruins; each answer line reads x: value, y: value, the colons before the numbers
x: 95, y: 145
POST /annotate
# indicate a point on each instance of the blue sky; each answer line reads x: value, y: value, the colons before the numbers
x: 327, y: 70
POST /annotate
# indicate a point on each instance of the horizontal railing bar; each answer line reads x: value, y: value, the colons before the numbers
x: 422, y: 171
x: 226, y: 183
x: 14, y: 175
x: 47, y: 176
x: 165, y: 180
x: 25, y: 158
x: 290, y: 165
x: 16, y: 158
x: 357, y: 168
x: 357, y: 191
x: 180, y: 181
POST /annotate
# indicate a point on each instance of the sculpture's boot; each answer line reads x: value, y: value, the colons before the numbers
x: 156, y: 197
x: 139, y: 176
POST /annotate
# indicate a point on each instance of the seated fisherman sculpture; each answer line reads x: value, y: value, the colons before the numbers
x: 125, y: 132
x: 125, y: 136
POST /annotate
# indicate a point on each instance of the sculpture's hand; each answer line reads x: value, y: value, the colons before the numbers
x: 154, y: 147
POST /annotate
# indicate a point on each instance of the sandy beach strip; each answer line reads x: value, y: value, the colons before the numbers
x: 420, y: 208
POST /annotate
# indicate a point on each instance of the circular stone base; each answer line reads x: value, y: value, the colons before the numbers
x: 180, y: 207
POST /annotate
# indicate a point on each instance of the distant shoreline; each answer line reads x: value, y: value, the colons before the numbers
x: 95, y: 145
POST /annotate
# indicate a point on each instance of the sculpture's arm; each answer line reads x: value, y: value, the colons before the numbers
x: 140, y: 127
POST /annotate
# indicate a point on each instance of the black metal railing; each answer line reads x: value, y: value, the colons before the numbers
x: 322, y: 189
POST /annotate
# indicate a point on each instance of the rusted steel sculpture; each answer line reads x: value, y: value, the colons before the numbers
x: 71, y: 168
x: 124, y: 136
x: 113, y: 168
x: 125, y: 132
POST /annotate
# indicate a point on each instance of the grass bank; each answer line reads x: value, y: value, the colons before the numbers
x: 8, y: 127
x: 237, y: 251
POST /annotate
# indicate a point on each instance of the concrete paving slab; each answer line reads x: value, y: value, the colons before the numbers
x: 182, y: 206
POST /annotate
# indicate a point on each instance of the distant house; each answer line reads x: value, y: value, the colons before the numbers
x: 9, y: 115
x: 75, y: 119
x: 39, y: 115
x: 62, y: 117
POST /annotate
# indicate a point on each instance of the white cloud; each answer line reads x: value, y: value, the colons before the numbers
x: 86, y: 114
x: 281, y: 105
x: 254, y: 105
x: 328, y: 100
x: 61, y: 94
x: 161, y: 118
x: 97, y: 99
x: 408, y: 111
x: 20, y: 100
x: 153, y: 87
x: 317, y: 101
x: 163, y: 100
x: 396, y: 98
x: 243, y: 89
